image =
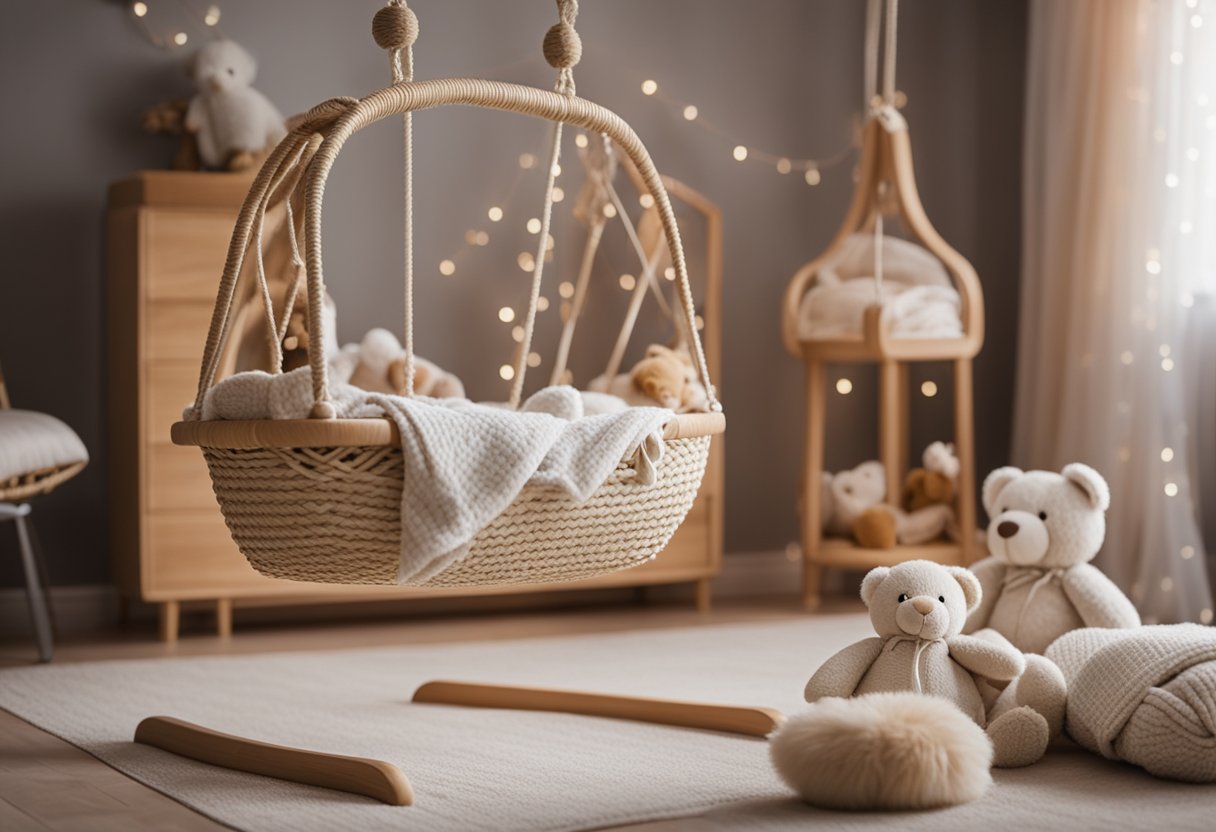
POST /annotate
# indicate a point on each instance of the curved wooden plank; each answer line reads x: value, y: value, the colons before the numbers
x: 754, y: 722
x: 330, y: 433
x: 358, y: 775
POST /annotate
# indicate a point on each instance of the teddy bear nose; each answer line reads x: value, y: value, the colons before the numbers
x: 1007, y: 529
x: 924, y: 606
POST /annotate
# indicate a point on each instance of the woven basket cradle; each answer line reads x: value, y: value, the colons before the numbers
x: 319, y: 499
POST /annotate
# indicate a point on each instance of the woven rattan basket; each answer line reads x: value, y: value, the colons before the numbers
x: 320, y: 499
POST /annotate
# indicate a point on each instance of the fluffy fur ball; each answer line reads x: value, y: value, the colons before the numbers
x: 893, y: 751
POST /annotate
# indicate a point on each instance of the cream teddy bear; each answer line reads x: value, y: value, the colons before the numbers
x: 380, y: 368
x: 918, y: 609
x: 233, y: 122
x: 1038, y: 582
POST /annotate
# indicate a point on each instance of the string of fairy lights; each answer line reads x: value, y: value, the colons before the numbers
x: 171, y: 33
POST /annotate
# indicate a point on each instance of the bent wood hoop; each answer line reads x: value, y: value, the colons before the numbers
x: 319, y: 500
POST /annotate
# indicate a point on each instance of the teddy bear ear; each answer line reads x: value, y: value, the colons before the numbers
x: 1089, y: 481
x: 871, y: 582
x: 972, y: 591
x: 995, y: 483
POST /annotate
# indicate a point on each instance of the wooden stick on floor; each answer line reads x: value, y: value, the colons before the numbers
x: 359, y: 775
x: 755, y: 722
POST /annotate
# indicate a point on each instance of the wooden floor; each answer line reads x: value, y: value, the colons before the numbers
x: 47, y: 784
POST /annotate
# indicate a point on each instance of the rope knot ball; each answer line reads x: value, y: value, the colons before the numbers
x: 563, y: 47
x: 395, y: 27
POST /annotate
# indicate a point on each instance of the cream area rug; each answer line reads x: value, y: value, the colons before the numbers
x: 501, y: 770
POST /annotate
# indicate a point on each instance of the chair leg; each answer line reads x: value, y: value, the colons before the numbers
x: 33, y: 584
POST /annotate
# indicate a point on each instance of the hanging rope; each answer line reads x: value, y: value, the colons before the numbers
x: 563, y: 49
x: 395, y: 28
x: 880, y: 107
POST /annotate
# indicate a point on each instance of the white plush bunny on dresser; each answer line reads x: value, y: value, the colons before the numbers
x: 233, y: 122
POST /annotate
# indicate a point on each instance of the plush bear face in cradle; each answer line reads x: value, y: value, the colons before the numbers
x: 1044, y: 519
x: 223, y: 65
x: 920, y: 598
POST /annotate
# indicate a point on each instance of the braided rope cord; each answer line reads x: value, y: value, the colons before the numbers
x: 561, y: 53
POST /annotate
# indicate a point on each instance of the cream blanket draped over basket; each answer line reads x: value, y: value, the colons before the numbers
x: 464, y: 463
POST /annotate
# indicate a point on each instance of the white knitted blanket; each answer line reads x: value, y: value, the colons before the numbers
x: 466, y: 462
x: 1146, y: 695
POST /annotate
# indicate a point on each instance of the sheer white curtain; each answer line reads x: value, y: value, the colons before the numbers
x: 1119, y: 262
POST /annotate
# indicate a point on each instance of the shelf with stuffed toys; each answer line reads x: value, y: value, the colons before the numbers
x: 875, y: 298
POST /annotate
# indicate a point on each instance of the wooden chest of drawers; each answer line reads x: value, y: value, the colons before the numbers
x: 167, y: 239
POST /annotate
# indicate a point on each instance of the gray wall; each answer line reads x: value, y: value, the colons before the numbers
x: 781, y: 74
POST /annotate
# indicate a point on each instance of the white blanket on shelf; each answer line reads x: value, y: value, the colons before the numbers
x: 918, y: 298
x: 466, y: 462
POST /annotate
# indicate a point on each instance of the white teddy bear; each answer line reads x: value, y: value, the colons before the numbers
x: 233, y: 122
x: 1038, y: 582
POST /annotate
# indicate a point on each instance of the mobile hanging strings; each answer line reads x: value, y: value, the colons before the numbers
x: 563, y: 49
x: 395, y: 28
x: 881, y: 107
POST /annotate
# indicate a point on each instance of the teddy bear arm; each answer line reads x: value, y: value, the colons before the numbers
x: 991, y: 574
x: 1097, y: 600
x: 986, y: 658
x: 842, y: 673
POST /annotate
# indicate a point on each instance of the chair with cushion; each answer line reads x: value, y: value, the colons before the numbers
x: 37, y: 453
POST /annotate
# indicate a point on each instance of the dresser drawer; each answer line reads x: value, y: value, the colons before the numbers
x: 169, y: 388
x: 177, y: 330
x: 190, y: 552
x: 177, y: 479
x: 184, y: 253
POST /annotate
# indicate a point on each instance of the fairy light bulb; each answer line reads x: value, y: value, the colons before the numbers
x: 1171, y: 489
x: 506, y: 372
x: 609, y: 210
x: 212, y: 17
x: 1126, y: 357
x: 812, y: 176
x: 447, y: 268
x: 1167, y: 454
x: 495, y: 213
x: 1167, y: 584
x: 180, y: 38
x: 740, y: 153
x: 928, y: 389
x: 1176, y: 58
x: 566, y: 289
x: 1167, y: 364
x: 526, y: 261
x: 527, y: 161
x: 1187, y: 552
x: 669, y: 273
x: 650, y: 87
x: 843, y: 386
x: 533, y: 359
x: 784, y: 166
x: 627, y: 282
x: 580, y: 140
x: 506, y: 314
x: 690, y: 112
x: 139, y: 9
x: 1171, y: 180
x: 556, y: 170
x: 542, y: 303
x: 533, y: 226
x: 558, y: 194
x: 646, y: 201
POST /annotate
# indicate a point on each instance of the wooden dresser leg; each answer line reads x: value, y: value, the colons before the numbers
x: 704, y: 595
x: 170, y: 618
x: 812, y: 473
x: 223, y: 617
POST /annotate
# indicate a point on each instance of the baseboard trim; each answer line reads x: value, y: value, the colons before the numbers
x: 82, y: 608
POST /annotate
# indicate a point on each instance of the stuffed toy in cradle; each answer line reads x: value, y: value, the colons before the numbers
x: 876, y: 751
x: 1038, y: 582
x: 851, y: 505
x: 233, y: 123
x: 936, y: 482
x: 665, y: 376
x: 380, y: 368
